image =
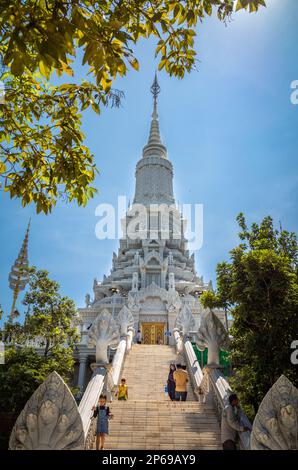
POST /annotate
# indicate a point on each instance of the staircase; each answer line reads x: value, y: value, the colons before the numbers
x: 149, y: 420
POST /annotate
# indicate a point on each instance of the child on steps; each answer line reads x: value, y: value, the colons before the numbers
x: 103, y: 415
x: 122, y: 391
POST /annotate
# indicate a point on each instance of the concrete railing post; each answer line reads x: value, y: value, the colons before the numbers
x: 193, y: 365
x: 178, y: 340
x: 129, y: 339
x: 118, y: 361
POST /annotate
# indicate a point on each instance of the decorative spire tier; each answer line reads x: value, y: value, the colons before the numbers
x: 154, y: 172
x: 154, y: 146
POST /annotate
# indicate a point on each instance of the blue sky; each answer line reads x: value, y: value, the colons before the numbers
x: 231, y: 133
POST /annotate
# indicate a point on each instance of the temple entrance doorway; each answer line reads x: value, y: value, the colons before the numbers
x: 153, y: 333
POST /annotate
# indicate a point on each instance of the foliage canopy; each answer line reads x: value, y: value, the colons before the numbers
x: 259, y: 286
x: 42, y: 152
x: 43, y: 343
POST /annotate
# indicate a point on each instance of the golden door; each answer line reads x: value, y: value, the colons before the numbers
x: 153, y: 333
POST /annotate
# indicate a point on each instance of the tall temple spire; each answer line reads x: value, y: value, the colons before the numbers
x: 154, y: 146
x: 18, y: 276
x: 154, y: 172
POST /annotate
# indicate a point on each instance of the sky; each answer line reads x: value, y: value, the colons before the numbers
x: 232, y: 135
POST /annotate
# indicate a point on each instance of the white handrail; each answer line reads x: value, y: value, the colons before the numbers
x: 129, y: 339
x: 178, y: 340
x: 95, y: 387
x: 117, y: 363
x: 194, y: 366
x: 90, y: 399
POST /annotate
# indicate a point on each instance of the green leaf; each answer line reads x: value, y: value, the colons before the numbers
x: 177, y: 10
x: 44, y: 69
x: 208, y: 8
x: 95, y: 108
x: 240, y: 4
x: 134, y: 63
x: 161, y: 64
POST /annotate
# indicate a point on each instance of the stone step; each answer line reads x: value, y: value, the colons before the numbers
x: 162, y: 418
x: 148, y: 422
x: 159, y: 415
x: 156, y: 403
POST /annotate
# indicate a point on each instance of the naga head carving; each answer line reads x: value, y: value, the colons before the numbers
x: 103, y: 333
x: 276, y: 423
x: 50, y: 420
x: 212, y: 335
x: 125, y: 320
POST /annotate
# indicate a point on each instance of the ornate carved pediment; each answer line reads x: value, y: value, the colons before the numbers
x: 152, y: 258
x: 174, y: 302
x: 133, y: 303
x: 276, y: 423
x: 50, y: 420
x: 153, y: 294
x: 153, y: 290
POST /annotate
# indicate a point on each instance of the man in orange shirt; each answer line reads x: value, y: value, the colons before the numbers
x: 181, y: 378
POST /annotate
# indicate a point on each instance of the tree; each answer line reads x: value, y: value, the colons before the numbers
x: 24, y: 370
x: 259, y: 286
x: 50, y: 324
x: 43, y: 156
x: 50, y: 317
